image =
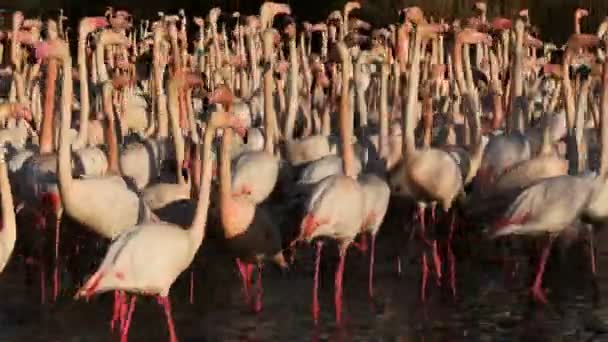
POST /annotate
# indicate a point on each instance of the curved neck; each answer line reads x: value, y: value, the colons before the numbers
x: 64, y: 167
x: 8, y: 232
x: 178, y: 138
x: 199, y: 222
x: 111, y: 141
x: 46, y: 134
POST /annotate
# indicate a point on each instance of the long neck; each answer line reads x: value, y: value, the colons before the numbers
x: 427, y: 119
x: 178, y: 138
x: 199, y: 222
x: 293, y: 90
x: 498, y: 116
x: 346, y: 122
x: 85, y: 106
x: 176, y: 55
x: 383, y: 138
x: 108, y: 108
x: 411, y: 101
x: 102, y: 71
x: 604, y: 122
x: 191, y: 116
x: 46, y: 135
x: 253, y: 61
x: 360, y: 94
x: 268, y: 109
x: 517, y: 81
x: 64, y: 164
x: 225, y: 175
x: 581, y: 147
x: 8, y: 233
x: 568, y: 93
x: 158, y: 67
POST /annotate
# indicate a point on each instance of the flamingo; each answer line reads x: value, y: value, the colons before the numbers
x: 8, y: 233
x: 427, y: 175
x: 248, y: 229
x: 169, y: 247
x: 335, y: 208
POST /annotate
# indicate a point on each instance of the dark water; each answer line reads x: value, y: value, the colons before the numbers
x: 490, y: 306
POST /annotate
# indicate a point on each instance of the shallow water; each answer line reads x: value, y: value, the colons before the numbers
x: 489, y: 307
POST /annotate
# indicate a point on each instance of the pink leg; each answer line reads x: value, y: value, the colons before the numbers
x: 42, y: 283
x: 56, y: 270
x: 398, y: 265
x: 592, y: 252
x: 259, y: 290
x: 191, y: 287
x: 338, y: 286
x: 249, y: 268
x: 243, y: 272
x: 115, y: 311
x: 362, y: 244
x: 125, y: 330
x: 537, y: 291
x: 124, y: 308
x: 370, y: 282
x: 425, y: 274
x: 166, y: 303
x: 437, y: 262
x: 315, y: 289
x: 451, y: 259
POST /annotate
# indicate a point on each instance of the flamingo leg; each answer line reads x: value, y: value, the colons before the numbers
x: 124, y: 308
x: 537, y: 291
x: 451, y: 258
x: 338, y: 286
x: 166, y: 303
x: 370, y: 281
x: 115, y: 310
x: 124, y: 336
x: 398, y: 265
x: 56, y: 283
x: 243, y: 272
x: 362, y: 244
x: 425, y: 274
x: 191, y: 287
x: 592, y: 253
x: 437, y: 262
x: 259, y: 290
x: 42, y: 283
x: 315, y: 289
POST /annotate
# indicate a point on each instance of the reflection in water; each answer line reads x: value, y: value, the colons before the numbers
x: 491, y: 306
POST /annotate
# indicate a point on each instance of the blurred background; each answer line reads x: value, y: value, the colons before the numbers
x: 554, y: 17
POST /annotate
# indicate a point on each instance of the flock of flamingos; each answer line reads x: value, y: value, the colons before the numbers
x: 477, y: 116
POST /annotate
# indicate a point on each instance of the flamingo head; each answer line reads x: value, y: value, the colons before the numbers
x: 21, y: 111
